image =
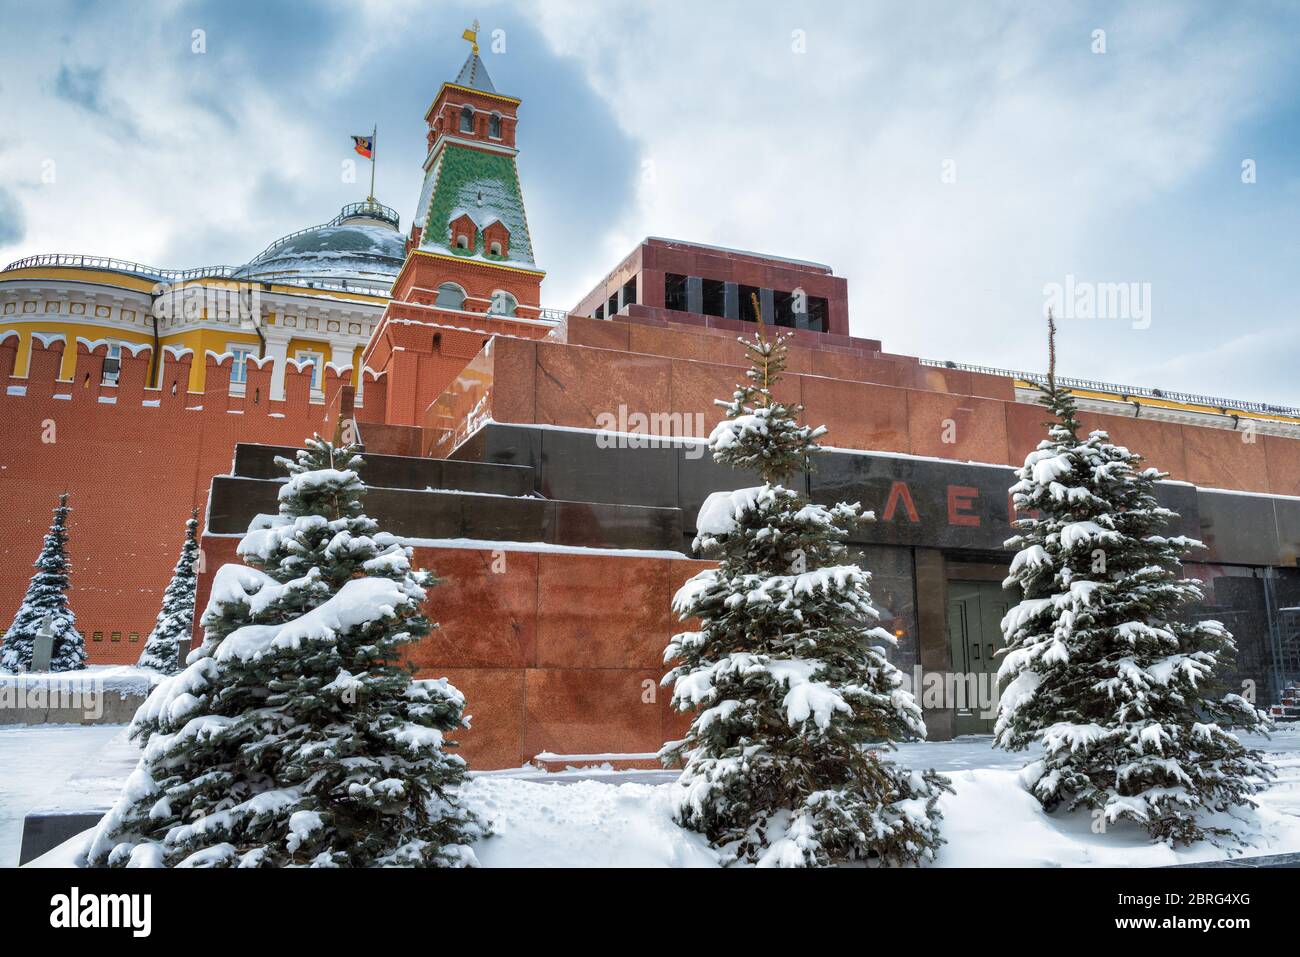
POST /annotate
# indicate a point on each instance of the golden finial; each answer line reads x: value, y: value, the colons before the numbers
x: 472, y: 36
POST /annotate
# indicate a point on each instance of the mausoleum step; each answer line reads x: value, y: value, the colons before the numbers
x: 399, y: 471
x: 234, y: 501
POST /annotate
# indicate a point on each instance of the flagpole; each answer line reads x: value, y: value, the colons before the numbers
x: 374, y: 150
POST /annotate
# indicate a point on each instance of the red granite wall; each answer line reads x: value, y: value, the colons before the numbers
x: 555, y: 651
x: 869, y: 401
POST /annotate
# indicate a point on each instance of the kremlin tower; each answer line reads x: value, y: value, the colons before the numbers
x: 469, y: 271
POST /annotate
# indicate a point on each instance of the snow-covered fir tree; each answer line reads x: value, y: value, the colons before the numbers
x: 175, y: 620
x: 1104, y: 667
x: 797, y: 705
x: 47, y: 600
x: 294, y: 736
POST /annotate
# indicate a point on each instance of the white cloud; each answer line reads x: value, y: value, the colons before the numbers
x: 1067, y: 162
x: 836, y: 154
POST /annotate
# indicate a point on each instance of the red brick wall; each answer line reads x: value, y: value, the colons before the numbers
x: 133, y: 466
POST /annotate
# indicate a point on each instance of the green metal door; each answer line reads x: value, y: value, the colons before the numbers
x: 975, y: 611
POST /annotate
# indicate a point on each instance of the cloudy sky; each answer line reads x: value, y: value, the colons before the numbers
x: 953, y: 160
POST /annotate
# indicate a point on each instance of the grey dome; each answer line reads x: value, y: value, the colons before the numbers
x: 361, y: 247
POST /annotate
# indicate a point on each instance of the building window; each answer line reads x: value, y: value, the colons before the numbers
x: 466, y: 120
x: 784, y: 303
x: 495, y: 249
x: 133, y: 637
x: 611, y: 307
x: 599, y: 313
x: 748, y: 309
x: 239, y: 368
x: 113, y: 365
x: 494, y: 127
x: 317, y: 361
x: 503, y: 304
x: 462, y: 241
x: 817, y: 311
x: 715, y: 297
x: 450, y: 296
x: 97, y: 636
x: 675, y: 292
x: 629, y: 292
x: 115, y: 636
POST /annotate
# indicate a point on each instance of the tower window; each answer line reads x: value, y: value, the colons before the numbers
x: 462, y: 241
x: 467, y: 120
x: 495, y: 249
x: 450, y: 296
x: 494, y: 127
x: 503, y: 304
x: 675, y: 292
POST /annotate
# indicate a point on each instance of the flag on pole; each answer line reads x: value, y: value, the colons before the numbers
x: 365, y: 145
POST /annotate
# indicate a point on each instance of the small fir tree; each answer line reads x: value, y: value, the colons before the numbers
x: 796, y: 702
x: 47, y: 600
x: 294, y: 737
x: 175, y: 620
x: 1103, y: 667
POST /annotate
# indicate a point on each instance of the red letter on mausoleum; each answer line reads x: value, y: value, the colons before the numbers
x: 961, y: 499
x: 899, y: 492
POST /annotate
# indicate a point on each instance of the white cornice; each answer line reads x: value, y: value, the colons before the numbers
x: 446, y: 138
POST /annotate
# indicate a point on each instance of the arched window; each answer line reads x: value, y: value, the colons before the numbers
x: 462, y: 241
x: 494, y: 127
x: 503, y: 304
x: 466, y: 119
x: 450, y: 296
x: 495, y: 249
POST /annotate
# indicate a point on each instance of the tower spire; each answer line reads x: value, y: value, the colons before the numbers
x: 474, y: 74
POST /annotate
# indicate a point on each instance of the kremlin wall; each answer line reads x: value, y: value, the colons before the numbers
x: 548, y: 465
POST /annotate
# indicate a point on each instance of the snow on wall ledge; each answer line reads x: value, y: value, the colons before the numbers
x: 94, y: 695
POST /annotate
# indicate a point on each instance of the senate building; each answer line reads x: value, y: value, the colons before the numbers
x: 546, y: 462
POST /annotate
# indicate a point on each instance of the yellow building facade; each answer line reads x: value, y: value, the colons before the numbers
x: 312, y: 296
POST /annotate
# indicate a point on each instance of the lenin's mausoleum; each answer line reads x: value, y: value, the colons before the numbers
x: 549, y: 465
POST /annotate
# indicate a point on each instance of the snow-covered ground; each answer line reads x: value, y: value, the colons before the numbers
x: 57, y: 765
x: 594, y: 818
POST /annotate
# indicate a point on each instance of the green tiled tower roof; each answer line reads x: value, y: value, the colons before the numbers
x: 484, y: 185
